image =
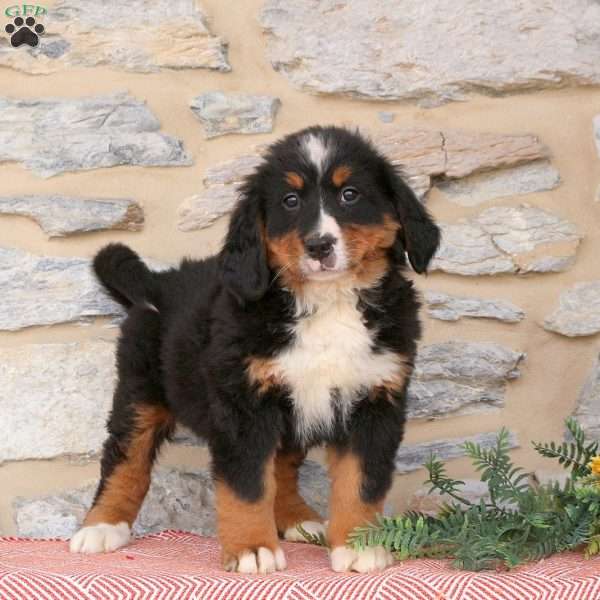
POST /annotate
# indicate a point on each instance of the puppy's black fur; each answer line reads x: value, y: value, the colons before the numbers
x: 190, y: 332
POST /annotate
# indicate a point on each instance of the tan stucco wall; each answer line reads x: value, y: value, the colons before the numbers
x: 555, y: 367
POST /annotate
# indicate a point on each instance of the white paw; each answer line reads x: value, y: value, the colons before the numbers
x: 261, y: 562
x: 313, y: 527
x: 100, y: 538
x: 364, y: 561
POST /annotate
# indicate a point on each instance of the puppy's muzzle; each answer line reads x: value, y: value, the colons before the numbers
x: 321, y: 248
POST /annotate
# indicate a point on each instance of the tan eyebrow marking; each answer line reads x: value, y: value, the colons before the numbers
x: 341, y: 175
x: 294, y: 180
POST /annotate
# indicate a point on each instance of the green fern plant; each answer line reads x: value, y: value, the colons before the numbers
x: 519, y: 522
x: 593, y: 546
x: 317, y: 539
x: 574, y: 455
x: 410, y: 536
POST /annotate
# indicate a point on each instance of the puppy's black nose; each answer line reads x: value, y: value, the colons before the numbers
x: 320, y: 246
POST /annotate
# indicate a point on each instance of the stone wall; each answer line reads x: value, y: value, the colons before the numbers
x: 141, y: 129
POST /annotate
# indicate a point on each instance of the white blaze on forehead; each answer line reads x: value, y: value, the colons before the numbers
x: 316, y: 151
x: 327, y: 224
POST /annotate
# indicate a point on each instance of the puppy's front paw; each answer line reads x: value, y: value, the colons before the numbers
x: 367, y: 560
x: 291, y: 534
x: 100, y: 538
x: 260, y: 561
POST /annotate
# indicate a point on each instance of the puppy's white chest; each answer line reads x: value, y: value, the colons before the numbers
x: 330, y: 362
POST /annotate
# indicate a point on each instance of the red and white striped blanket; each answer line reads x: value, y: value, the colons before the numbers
x: 182, y: 566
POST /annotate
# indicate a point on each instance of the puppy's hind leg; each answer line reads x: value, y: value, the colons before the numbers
x: 291, y: 509
x: 139, y: 423
x: 127, y: 461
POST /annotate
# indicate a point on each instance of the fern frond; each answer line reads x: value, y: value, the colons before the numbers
x: 593, y: 546
x: 506, y: 483
x: 312, y: 538
x: 574, y: 455
x: 520, y: 522
x: 441, y: 482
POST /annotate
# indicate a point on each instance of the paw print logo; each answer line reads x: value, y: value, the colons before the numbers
x: 24, y: 32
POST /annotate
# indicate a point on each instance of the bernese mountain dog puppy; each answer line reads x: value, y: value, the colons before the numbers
x: 302, y: 331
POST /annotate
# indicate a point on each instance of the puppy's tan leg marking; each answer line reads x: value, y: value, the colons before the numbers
x: 347, y: 511
x: 126, y: 487
x: 247, y: 530
x: 290, y: 508
x: 107, y: 526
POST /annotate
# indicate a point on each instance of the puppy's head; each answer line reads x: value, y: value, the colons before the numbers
x: 323, y: 206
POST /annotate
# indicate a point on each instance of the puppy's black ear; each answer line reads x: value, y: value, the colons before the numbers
x: 419, y: 236
x: 243, y: 260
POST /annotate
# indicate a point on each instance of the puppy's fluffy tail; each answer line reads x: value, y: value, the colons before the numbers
x: 126, y: 278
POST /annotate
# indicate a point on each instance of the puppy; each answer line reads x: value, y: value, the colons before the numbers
x: 302, y: 331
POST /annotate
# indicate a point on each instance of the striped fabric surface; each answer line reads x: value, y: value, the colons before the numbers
x: 175, y: 565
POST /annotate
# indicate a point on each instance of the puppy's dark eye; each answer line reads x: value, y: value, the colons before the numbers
x: 291, y: 201
x: 350, y: 196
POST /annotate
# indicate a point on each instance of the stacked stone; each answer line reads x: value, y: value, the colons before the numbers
x: 54, y: 397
